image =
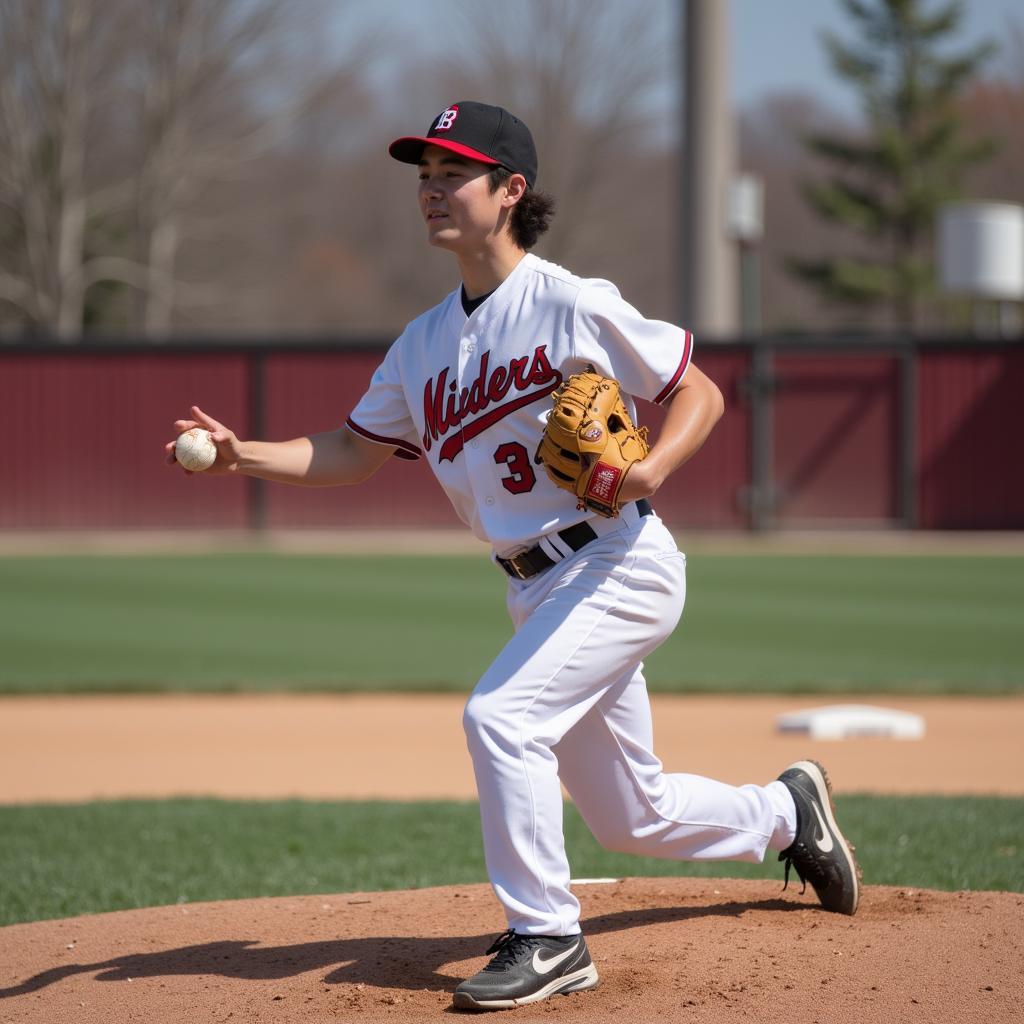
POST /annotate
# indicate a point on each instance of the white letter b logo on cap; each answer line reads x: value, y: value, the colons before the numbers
x: 445, y: 121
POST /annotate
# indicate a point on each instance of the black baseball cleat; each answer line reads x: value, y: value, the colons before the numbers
x: 526, y: 969
x: 819, y: 853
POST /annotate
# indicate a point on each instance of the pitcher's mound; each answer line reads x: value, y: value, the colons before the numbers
x: 667, y: 950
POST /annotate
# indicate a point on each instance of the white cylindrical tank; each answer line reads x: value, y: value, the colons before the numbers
x: 981, y: 250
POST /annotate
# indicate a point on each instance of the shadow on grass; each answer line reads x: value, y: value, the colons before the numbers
x: 403, y: 962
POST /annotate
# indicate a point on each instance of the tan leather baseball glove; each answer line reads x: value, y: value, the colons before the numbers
x: 590, y: 442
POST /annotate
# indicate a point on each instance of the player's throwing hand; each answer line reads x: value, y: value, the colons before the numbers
x: 228, y: 446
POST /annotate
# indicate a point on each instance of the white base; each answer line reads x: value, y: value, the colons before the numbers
x: 845, y: 721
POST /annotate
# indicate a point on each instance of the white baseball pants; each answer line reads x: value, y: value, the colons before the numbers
x: 565, y: 701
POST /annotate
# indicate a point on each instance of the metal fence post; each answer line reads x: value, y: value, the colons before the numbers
x: 762, y: 441
x: 908, y: 469
x: 257, y: 489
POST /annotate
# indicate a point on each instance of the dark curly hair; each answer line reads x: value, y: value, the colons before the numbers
x: 531, y: 216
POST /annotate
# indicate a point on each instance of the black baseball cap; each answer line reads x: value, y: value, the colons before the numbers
x: 480, y: 132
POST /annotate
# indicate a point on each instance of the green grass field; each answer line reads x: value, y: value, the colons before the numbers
x: 770, y: 623
x: 60, y: 861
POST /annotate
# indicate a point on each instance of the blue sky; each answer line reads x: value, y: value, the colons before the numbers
x: 776, y: 44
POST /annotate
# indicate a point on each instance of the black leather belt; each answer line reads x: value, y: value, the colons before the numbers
x: 528, y: 563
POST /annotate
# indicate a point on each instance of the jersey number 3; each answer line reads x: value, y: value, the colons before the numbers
x: 521, y: 477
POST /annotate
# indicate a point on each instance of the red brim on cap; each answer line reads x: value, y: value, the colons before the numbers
x: 409, y: 150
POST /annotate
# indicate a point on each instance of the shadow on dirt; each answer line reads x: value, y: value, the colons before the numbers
x: 402, y: 962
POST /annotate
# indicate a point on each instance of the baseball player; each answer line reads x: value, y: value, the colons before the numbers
x: 467, y: 387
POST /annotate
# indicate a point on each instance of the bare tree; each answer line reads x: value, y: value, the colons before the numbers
x: 994, y: 106
x: 55, y: 58
x: 197, y: 75
x: 162, y: 101
x: 581, y: 74
x: 1012, y: 58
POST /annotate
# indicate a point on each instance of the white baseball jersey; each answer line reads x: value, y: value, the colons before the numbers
x: 471, y: 394
x: 565, y: 701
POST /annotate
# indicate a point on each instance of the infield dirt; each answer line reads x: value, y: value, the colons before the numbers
x: 668, y: 949
x: 347, y: 747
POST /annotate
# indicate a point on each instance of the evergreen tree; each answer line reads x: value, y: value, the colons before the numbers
x: 888, y: 185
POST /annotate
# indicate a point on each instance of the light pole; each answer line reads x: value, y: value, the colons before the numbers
x: 746, y: 225
x: 708, y: 299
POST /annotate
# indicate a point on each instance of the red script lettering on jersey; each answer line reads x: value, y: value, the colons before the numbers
x: 444, y: 409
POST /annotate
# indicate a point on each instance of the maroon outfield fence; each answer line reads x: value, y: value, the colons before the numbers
x: 834, y: 432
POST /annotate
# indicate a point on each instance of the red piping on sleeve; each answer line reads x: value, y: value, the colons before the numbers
x: 403, y: 449
x: 683, y: 364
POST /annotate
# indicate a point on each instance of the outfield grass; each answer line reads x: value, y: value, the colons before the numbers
x: 60, y: 861
x: 771, y: 623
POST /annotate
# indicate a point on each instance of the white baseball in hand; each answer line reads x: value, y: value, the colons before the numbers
x: 195, y: 450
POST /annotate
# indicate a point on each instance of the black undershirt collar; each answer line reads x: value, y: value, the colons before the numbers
x: 469, y: 305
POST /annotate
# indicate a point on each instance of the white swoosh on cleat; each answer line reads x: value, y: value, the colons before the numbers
x: 547, y: 966
x: 824, y: 844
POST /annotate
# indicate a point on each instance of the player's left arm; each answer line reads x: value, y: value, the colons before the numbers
x: 693, y: 410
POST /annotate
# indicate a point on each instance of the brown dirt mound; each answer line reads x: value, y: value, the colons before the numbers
x: 669, y: 949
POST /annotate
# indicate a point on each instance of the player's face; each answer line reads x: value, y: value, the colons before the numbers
x: 460, y: 212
